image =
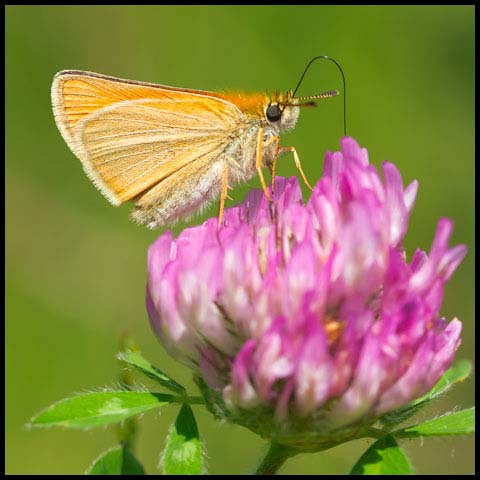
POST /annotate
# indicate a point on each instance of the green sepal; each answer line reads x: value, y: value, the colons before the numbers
x: 458, y: 372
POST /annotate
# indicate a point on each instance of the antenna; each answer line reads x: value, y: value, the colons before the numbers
x: 326, y: 57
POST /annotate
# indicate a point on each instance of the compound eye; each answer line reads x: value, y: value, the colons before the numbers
x: 274, y: 113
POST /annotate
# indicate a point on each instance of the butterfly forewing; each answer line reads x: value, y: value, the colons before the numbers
x: 131, y: 136
x: 133, y: 145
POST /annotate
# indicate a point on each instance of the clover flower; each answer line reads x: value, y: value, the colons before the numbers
x: 302, y: 319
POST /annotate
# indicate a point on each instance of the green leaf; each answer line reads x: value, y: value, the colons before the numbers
x: 384, y: 457
x: 116, y: 461
x: 391, y: 419
x: 458, y: 372
x: 183, y: 450
x: 136, y: 360
x: 100, y: 408
x: 456, y: 423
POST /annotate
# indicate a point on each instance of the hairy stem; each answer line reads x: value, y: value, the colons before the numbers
x: 274, y: 459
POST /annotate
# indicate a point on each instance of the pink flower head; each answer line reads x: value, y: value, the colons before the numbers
x: 290, y: 308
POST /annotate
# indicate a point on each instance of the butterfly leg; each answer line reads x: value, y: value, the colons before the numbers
x: 273, y: 166
x: 223, y: 193
x: 259, y: 164
x: 297, y: 163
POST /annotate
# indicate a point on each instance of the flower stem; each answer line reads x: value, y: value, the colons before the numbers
x: 127, y: 430
x: 274, y: 459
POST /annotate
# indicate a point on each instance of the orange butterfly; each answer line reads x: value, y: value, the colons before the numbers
x: 170, y: 150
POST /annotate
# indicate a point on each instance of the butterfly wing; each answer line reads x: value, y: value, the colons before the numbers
x: 131, y: 136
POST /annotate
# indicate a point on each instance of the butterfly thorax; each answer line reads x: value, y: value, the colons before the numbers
x: 252, y: 105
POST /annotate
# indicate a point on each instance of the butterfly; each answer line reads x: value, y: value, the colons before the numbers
x: 171, y: 150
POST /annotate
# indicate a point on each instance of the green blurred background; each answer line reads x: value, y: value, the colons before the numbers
x: 75, y: 266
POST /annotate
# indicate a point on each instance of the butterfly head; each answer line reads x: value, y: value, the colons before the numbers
x: 283, y: 109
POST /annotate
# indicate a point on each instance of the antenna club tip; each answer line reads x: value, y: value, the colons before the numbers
x: 331, y: 93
